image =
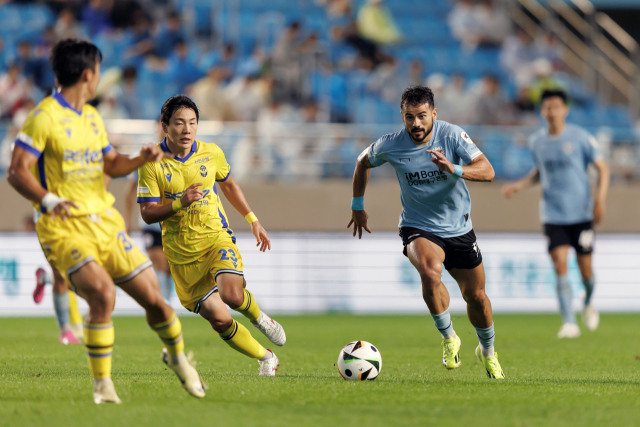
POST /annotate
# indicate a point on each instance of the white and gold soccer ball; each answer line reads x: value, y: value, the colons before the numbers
x: 359, y: 361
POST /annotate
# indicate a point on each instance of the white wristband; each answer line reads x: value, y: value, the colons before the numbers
x: 50, y: 201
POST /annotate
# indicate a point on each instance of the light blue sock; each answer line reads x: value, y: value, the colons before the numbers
x: 564, y: 297
x: 166, y: 285
x: 443, y: 323
x: 61, y: 306
x: 486, y: 336
x: 588, y: 287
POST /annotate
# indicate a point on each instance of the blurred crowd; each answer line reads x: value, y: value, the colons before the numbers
x: 304, y: 76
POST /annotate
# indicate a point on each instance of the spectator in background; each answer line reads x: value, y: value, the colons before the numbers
x: 516, y: 56
x: 376, y: 24
x: 208, y: 93
x: 456, y: 102
x: 21, y: 114
x: 14, y: 88
x: 6, y: 147
x: 141, y: 40
x: 547, y: 47
x: 170, y: 35
x: 67, y: 26
x: 366, y: 49
x: 109, y: 107
x: 286, y: 63
x: 96, y: 16
x: 128, y: 93
x: 494, y: 25
x: 181, y: 70
x: 543, y: 80
x: 463, y: 23
x: 247, y: 95
x: 124, y: 13
x: 492, y: 107
x: 229, y: 61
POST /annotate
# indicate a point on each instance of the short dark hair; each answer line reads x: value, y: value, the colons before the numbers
x: 174, y: 104
x: 553, y: 93
x: 70, y: 57
x: 417, y: 95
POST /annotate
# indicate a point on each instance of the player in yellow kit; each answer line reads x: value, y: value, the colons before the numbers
x: 182, y: 193
x: 59, y: 163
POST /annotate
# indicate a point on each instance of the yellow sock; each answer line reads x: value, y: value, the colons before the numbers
x: 98, y: 339
x: 239, y: 338
x: 249, y: 307
x: 170, y: 332
x: 74, y: 313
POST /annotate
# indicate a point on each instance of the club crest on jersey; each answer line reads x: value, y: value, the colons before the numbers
x: 203, y: 171
x: 466, y: 138
x: 168, y: 176
x: 567, y: 148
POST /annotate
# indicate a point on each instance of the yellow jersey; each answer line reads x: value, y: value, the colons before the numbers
x: 193, y: 230
x: 70, y: 145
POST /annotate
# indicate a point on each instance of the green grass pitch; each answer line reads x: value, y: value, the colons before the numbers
x: 594, y: 380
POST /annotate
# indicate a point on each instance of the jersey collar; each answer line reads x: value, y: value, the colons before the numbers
x: 194, y: 148
x: 62, y: 101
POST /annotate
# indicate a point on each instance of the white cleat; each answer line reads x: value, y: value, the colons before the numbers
x: 269, y: 367
x: 590, y: 317
x: 185, y: 372
x: 104, y: 392
x: 76, y: 328
x: 271, y: 329
x: 569, y: 330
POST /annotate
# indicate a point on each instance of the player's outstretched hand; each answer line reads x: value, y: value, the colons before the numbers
x: 359, y: 221
x: 62, y: 209
x: 441, y: 161
x: 508, y: 190
x: 153, y: 153
x: 191, y: 194
x: 261, y: 236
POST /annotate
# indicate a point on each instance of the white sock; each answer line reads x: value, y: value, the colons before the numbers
x: 487, y: 352
x: 267, y: 355
x: 451, y: 335
x: 179, y: 358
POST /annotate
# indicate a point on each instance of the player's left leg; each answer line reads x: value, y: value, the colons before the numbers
x: 143, y: 288
x: 234, y: 293
x: 63, y: 308
x: 590, y: 315
x: 238, y: 337
x: 472, y: 285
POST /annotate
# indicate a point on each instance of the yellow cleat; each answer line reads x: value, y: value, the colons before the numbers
x: 451, y: 352
x: 491, y: 364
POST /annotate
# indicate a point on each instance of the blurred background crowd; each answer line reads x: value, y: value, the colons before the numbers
x: 275, y: 72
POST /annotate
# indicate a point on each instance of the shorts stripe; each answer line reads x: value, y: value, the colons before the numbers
x: 134, y: 273
x: 196, y: 309
x: 79, y: 265
x: 228, y: 270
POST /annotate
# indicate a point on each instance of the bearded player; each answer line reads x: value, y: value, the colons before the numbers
x: 432, y: 160
x: 59, y: 163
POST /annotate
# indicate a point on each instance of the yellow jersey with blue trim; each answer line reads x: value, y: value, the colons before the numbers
x: 70, y: 145
x: 190, y: 232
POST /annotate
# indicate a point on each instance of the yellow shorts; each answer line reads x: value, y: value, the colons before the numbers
x: 196, y: 281
x: 70, y: 244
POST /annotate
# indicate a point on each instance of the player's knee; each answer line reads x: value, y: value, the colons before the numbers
x: 102, y: 296
x: 475, y: 297
x: 233, y: 298
x: 430, y: 275
x: 220, y: 325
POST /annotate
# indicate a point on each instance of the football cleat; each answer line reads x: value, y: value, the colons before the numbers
x: 569, y: 330
x: 269, y: 367
x: 67, y: 337
x: 186, y: 373
x: 491, y: 364
x: 77, y: 330
x: 271, y: 329
x: 451, y: 352
x: 590, y: 317
x: 105, y: 392
x: 38, y: 292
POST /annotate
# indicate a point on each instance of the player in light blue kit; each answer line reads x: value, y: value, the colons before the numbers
x: 563, y: 153
x: 432, y: 159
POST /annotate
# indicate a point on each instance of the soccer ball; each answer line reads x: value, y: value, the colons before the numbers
x: 359, y: 361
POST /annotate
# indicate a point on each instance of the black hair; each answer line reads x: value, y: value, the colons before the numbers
x: 417, y: 95
x: 174, y: 104
x: 71, y: 57
x: 129, y: 72
x: 553, y: 93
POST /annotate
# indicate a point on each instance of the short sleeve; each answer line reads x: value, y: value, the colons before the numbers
x: 34, y: 133
x: 102, y: 134
x: 223, y: 170
x: 148, y: 190
x: 591, y: 149
x: 464, y: 147
x: 376, y: 158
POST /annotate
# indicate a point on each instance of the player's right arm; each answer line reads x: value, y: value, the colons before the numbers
x: 508, y: 190
x: 28, y: 148
x: 361, y: 176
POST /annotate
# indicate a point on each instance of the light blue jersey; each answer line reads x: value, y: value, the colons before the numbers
x: 562, y: 161
x: 432, y: 200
